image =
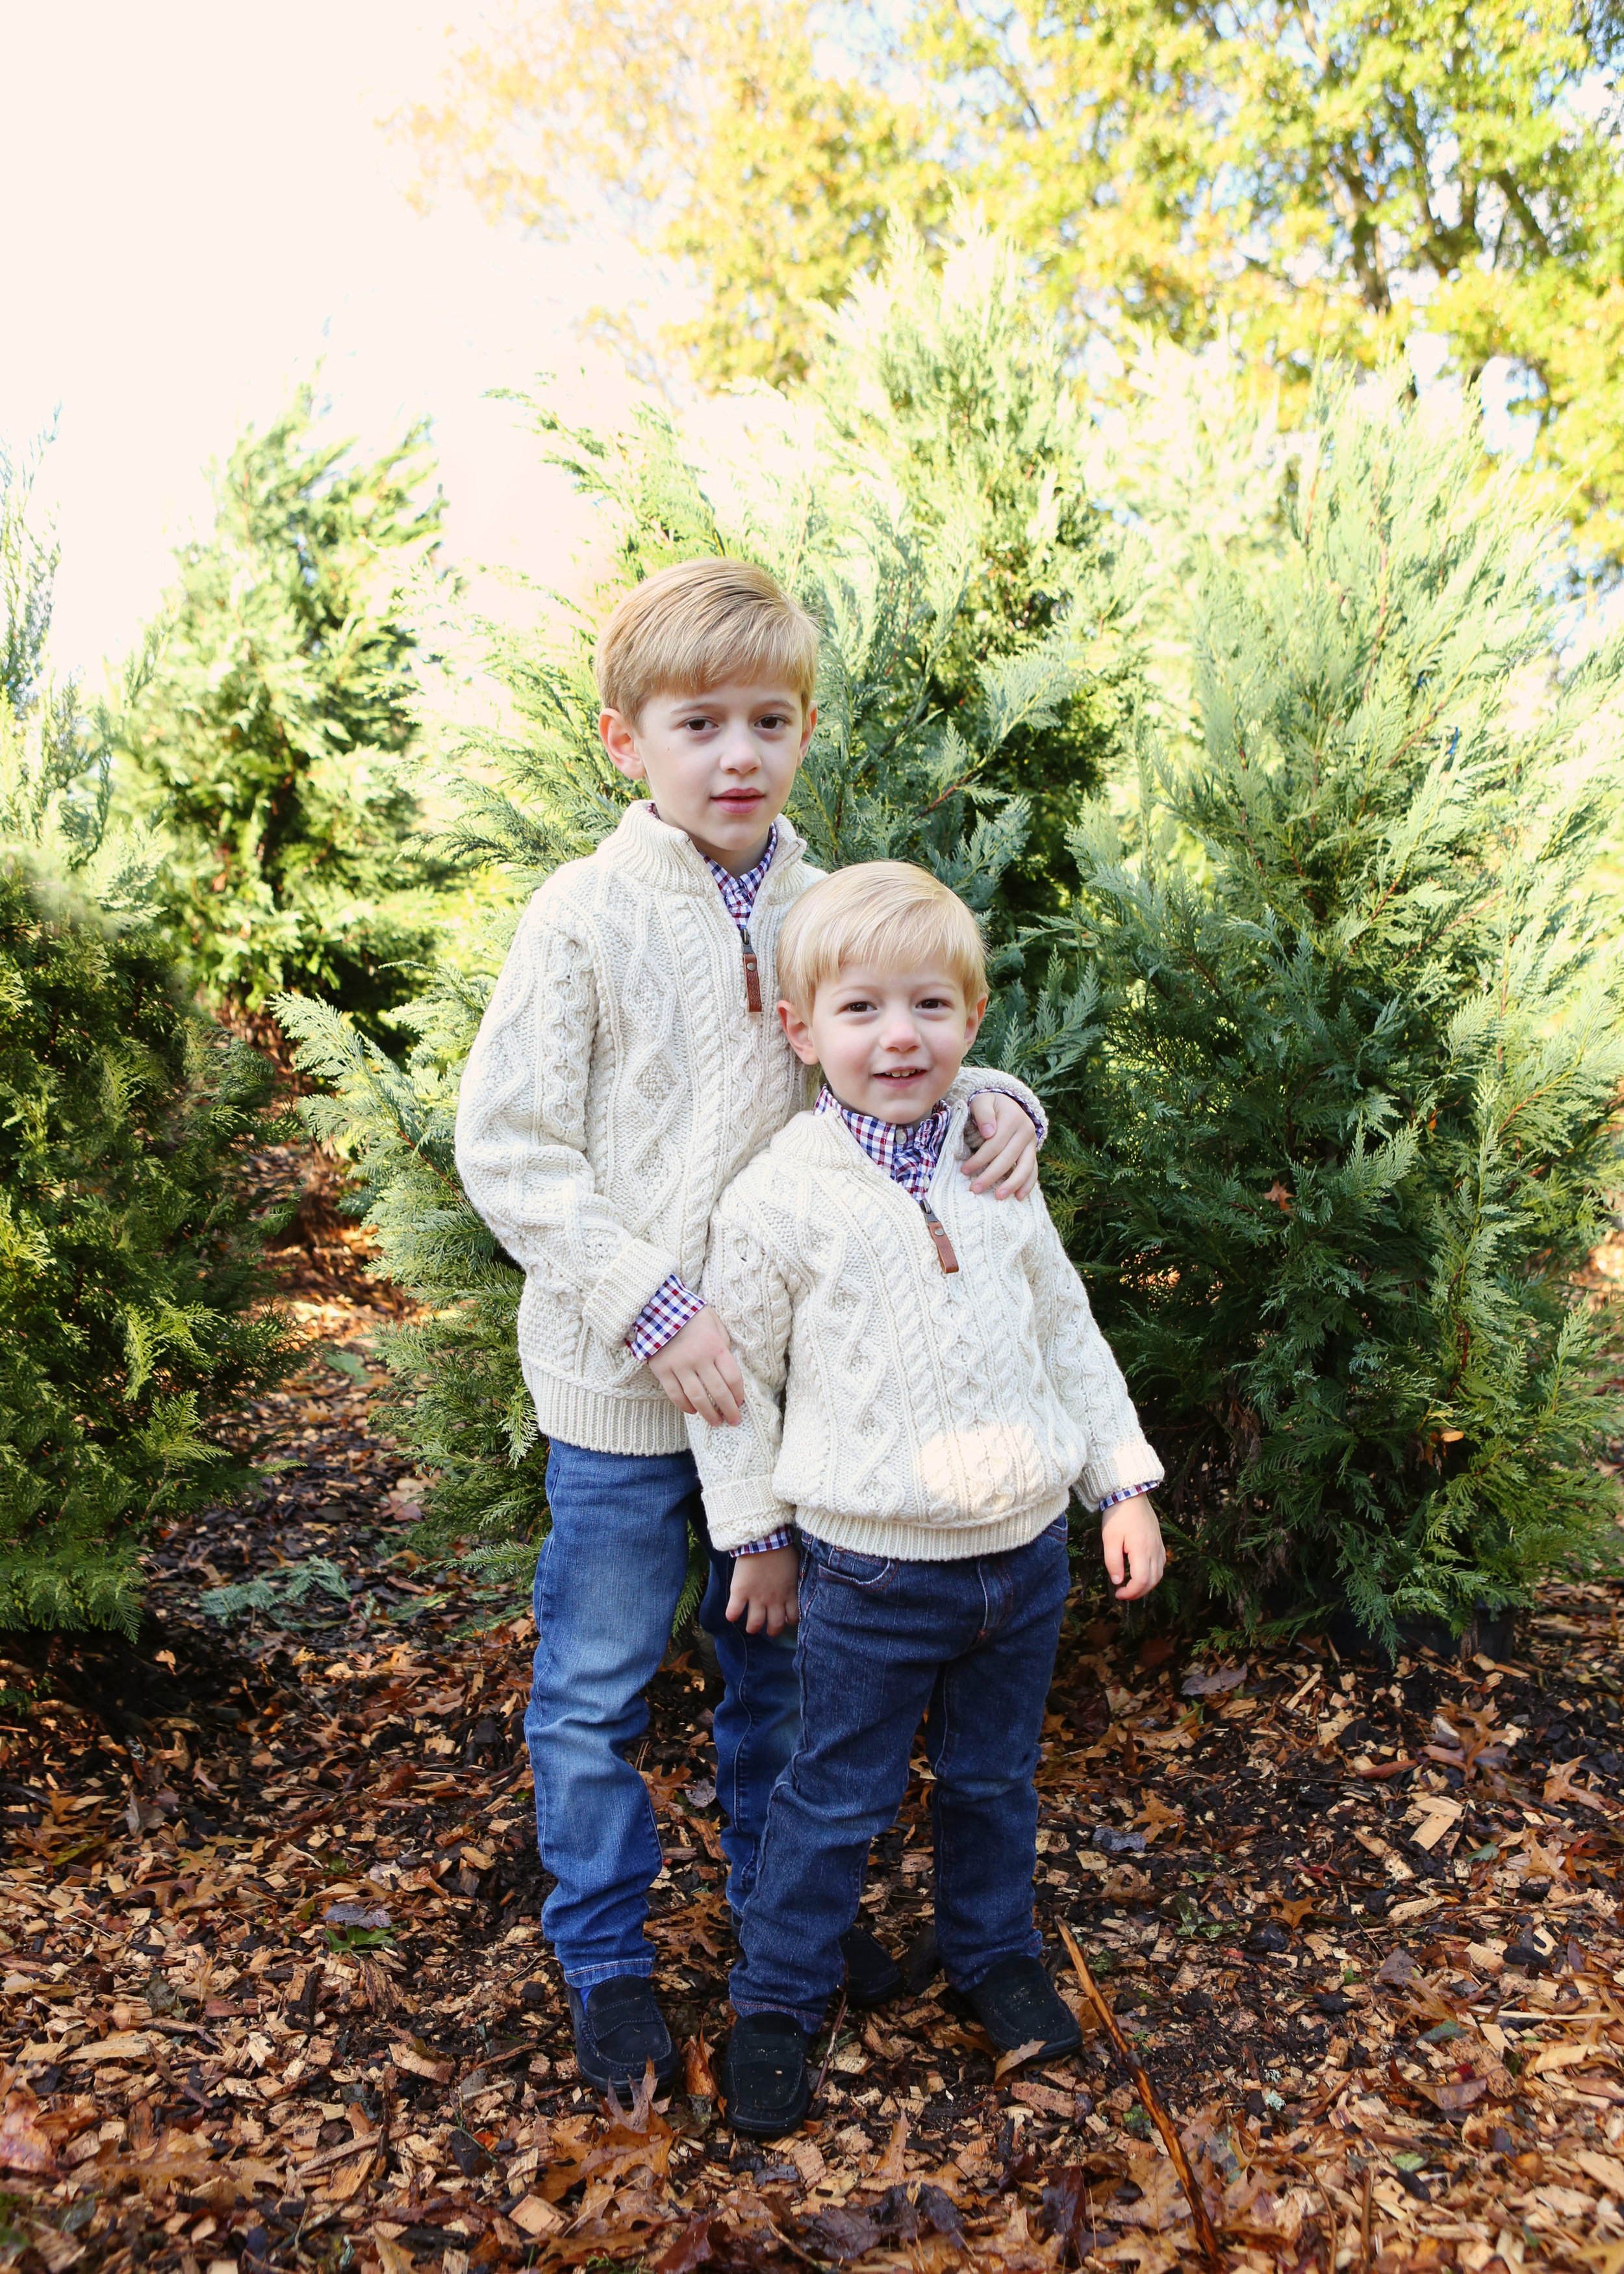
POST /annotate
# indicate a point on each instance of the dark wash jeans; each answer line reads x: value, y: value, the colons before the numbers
x: 606, y: 1586
x: 971, y: 1646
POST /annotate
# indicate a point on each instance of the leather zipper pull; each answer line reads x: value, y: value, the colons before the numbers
x: 752, y: 976
x: 938, y: 1233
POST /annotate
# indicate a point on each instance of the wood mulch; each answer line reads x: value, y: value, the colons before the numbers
x: 275, y: 1992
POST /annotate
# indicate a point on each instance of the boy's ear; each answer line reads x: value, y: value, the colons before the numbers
x: 799, y: 1034
x: 619, y: 739
x: 973, y: 1016
x: 808, y: 724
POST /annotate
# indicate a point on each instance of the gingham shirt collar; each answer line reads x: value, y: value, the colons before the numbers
x: 908, y: 1155
x: 739, y: 892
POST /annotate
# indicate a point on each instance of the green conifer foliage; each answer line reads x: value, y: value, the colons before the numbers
x: 271, y: 747
x: 889, y: 773
x: 940, y: 371
x: 1343, y: 1092
x: 130, y: 1286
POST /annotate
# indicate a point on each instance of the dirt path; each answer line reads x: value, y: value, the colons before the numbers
x: 275, y: 1991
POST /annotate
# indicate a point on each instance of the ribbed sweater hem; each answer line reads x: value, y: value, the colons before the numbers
x: 928, y: 1543
x: 601, y: 1421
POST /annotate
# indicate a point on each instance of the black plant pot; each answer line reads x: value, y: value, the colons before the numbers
x: 1488, y: 1633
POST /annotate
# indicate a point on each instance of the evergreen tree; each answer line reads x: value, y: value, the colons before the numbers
x: 129, y: 1236
x: 889, y: 773
x: 1190, y: 455
x: 1341, y: 1094
x: 941, y: 374
x: 29, y: 558
x: 271, y: 747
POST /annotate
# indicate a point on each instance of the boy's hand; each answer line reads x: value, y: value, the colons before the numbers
x: 698, y: 1372
x: 765, y: 1592
x: 1008, y: 1152
x: 1132, y: 1540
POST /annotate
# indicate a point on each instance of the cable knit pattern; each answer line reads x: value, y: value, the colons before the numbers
x: 618, y: 1082
x: 891, y: 1407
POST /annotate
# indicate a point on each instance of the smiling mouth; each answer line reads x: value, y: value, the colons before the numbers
x: 903, y: 1074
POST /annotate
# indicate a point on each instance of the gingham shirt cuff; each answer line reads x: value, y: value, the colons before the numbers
x: 665, y: 1314
x: 1030, y: 1106
x: 1033, y: 1113
x: 779, y: 1539
x: 1128, y: 1491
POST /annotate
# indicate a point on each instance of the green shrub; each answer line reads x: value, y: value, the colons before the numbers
x: 131, y: 1319
x: 1342, y: 1094
x: 271, y: 747
x: 943, y: 374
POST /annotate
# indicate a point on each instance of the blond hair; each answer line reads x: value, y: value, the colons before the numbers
x: 885, y: 914
x: 701, y: 625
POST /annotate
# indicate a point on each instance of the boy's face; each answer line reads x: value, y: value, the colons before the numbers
x: 890, y: 1042
x: 718, y: 764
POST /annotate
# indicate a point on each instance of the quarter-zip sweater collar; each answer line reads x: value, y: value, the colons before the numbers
x: 668, y: 859
x: 908, y: 1152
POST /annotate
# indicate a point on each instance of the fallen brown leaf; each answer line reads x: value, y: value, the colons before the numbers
x: 1005, y: 2062
x: 23, y: 2146
x: 891, y: 2170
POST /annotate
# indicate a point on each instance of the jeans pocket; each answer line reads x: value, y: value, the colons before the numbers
x: 1060, y: 1529
x: 869, y: 1573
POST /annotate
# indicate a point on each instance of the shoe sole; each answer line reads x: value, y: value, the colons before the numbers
x: 1055, y: 2048
x: 865, y: 2000
x: 1051, y: 2049
x: 623, y: 2085
x: 773, y: 2127
x: 765, y: 2127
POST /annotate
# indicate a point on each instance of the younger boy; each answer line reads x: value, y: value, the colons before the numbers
x: 925, y: 1387
x: 623, y: 1073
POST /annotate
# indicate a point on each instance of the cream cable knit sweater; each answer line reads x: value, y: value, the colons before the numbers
x: 894, y: 1408
x: 617, y: 1084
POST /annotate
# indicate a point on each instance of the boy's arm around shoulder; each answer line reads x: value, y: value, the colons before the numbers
x: 983, y: 1081
x: 748, y: 1288
x: 1083, y: 1368
x: 521, y: 1125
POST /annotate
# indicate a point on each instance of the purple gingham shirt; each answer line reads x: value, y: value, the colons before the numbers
x: 908, y: 1156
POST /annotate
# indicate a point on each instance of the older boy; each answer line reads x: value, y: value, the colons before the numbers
x: 925, y: 1388
x: 624, y: 1071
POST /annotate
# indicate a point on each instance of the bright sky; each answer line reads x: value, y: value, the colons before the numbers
x: 202, y: 203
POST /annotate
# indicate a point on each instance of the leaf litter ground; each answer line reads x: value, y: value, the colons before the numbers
x: 275, y: 1993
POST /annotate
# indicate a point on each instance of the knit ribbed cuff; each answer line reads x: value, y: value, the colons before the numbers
x: 1132, y: 1463
x: 739, y: 1514
x: 615, y: 1299
x: 984, y: 1079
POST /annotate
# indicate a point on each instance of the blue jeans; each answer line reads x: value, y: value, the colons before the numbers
x: 969, y: 1646
x: 606, y: 1586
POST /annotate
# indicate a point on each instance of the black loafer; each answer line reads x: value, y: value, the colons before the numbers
x: 872, y: 1975
x: 619, y: 2030
x: 764, y: 2080
x: 1017, y: 2003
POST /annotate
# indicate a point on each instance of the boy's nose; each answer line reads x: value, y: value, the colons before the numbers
x: 739, y: 753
